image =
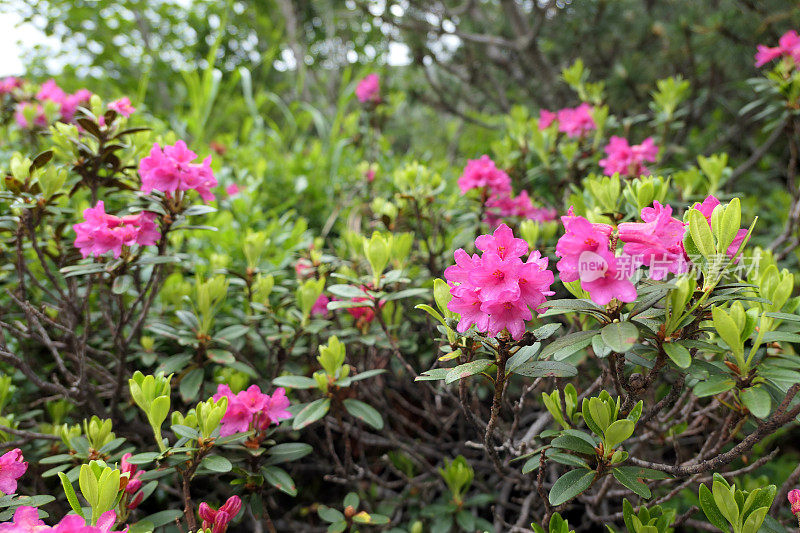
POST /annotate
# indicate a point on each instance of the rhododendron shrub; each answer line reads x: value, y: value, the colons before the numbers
x: 367, y: 316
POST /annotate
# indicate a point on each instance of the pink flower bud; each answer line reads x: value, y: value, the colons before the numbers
x: 136, y: 501
x: 794, y: 499
x: 232, y: 506
x: 221, y: 524
x: 207, y: 514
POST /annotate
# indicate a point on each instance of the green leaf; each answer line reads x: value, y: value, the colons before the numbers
x: 627, y: 476
x: 573, y: 443
x: 288, y: 451
x: 295, y: 382
x: 467, y: 369
x: 540, y: 369
x: 678, y: 353
x: 620, y: 336
x: 709, y: 507
x: 753, y: 522
x: 311, y: 413
x: 190, y: 384
x: 185, y: 431
x: 143, y: 458
x: 570, y: 485
x: 366, y: 413
x: 216, y: 463
x: 618, y: 432
x: 712, y: 386
x: 522, y: 356
x: 726, y: 503
x: 279, y: 479
x: 700, y: 232
x: 569, y: 344
x: 163, y: 518
x: 69, y: 492
x: 757, y: 400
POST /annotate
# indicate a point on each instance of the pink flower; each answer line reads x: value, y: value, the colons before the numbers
x: 303, y: 267
x: 26, y: 520
x: 122, y: 106
x: 39, y: 117
x: 611, y: 281
x: 71, y: 102
x: 171, y: 169
x: 577, y: 121
x: 794, y: 499
x: 657, y: 242
x: 580, y: 236
x: 134, y: 475
x: 707, y: 208
x: 546, y: 118
x: 320, y: 307
x: 8, y: 84
x: 520, y: 206
x: 626, y: 159
x: 102, y: 233
x: 503, y: 243
x: 788, y: 45
x: 51, y: 91
x: 251, y: 409
x: 233, y: 190
x: 12, y: 466
x: 483, y: 174
x: 218, y: 520
x: 495, y: 292
x: 370, y: 175
x: 368, y: 89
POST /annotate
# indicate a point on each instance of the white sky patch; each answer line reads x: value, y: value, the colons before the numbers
x: 16, y: 36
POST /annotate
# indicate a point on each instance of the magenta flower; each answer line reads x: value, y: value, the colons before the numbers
x: 499, y: 207
x: 122, y: 106
x: 368, y: 89
x: 171, y: 170
x: 101, y: 233
x: 577, y: 121
x: 8, y: 84
x: 611, y: 281
x: 320, y: 307
x: 51, y: 91
x: 495, y: 292
x: 707, y: 208
x: 233, y: 190
x: 546, y: 118
x: 794, y: 500
x: 218, y: 520
x: 580, y: 236
x: 483, y: 174
x: 26, y: 520
x: 503, y: 243
x: 71, y: 102
x: 657, y: 242
x: 39, y: 117
x: 788, y: 46
x: 276, y: 405
x: 626, y: 159
x: 12, y: 466
x: 251, y: 409
x: 134, y: 474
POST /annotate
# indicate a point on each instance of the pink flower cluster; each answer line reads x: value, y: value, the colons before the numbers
x: 369, y: 89
x: 101, y: 233
x: 483, y: 174
x: 521, y: 206
x: 8, y: 84
x: 788, y: 46
x: 217, y: 520
x: 26, y: 520
x: 251, y: 409
x: 574, y: 121
x: 134, y: 483
x: 12, y: 467
x: 587, y: 254
x: 496, y: 291
x: 320, y: 307
x: 122, y: 106
x: 628, y: 159
x: 171, y: 170
x: 50, y: 91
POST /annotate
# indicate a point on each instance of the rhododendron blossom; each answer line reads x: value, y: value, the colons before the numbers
x: 572, y: 121
x: 102, y: 233
x: 171, y: 170
x: 788, y: 46
x: 546, y: 118
x: 483, y: 174
x: 320, y: 307
x: 657, y: 242
x: 12, y: 467
x: 122, y: 106
x: 521, y: 206
x: 9, y: 83
x: 626, y: 159
x: 218, y: 520
x: 368, y: 89
x: 251, y: 409
x: 496, y: 291
x: 580, y: 236
x: 68, y: 103
x: 24, y: 110
x: 707, y: 209
x: 26, y: 520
